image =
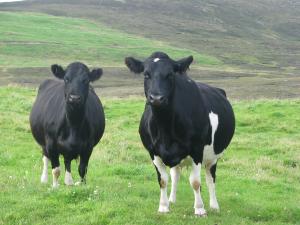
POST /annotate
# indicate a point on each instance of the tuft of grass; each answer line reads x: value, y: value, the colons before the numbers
x: 37, y: 40
x: 257, y: 179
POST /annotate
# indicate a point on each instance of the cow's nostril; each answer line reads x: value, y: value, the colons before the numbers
x: 74, y: 98
x: 156, y: 99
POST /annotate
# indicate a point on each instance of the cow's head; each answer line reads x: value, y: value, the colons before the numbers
x: 76, y: 77
x: 159, y: 73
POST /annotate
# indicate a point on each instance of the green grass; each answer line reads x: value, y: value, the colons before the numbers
x: 257, y: 179
x: 38, y: 40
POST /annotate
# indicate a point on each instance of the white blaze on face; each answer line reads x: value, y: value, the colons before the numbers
x: 156, y: 59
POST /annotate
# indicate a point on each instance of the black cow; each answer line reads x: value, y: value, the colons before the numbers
x: 67, y: 118
x: 182, y: 120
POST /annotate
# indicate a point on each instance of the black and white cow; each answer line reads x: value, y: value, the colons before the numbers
x: 67, y: 118
x: 183, y: 121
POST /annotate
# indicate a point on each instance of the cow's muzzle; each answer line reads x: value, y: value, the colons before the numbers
x: 74, y: 99
x: 156, y: 100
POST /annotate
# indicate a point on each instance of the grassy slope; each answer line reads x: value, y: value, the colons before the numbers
x: 250, y: 34
x: 257, y: 179
x: 31, y: 40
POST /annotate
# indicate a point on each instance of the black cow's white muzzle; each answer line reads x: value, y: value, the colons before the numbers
x: 74, y: 99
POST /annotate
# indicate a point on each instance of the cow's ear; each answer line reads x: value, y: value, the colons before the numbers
x: 58, y: 71
x: 182, y: 65
x: 95, y: 74
x: 134, y: 65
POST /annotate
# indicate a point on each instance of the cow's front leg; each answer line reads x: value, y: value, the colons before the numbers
x: 44, y: 176
x: 196, y: 185
x: 54, y: 157
x: 163, y: 183
x: 82, y: 168
x: 68, y: 175
x: 175, y: 174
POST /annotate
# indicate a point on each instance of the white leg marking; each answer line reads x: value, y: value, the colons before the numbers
x: 55, y: 175
x: 161, y: 167
x: 68, y: 178
x: 213, y: 203
x: 196, y: 184
x: 44, y: 177
x: 210, y: 158
x: 175, y: 174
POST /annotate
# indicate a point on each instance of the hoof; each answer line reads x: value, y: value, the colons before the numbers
x: 200, y: 212
x: 163, y: 209
x: 215, y: 207
x: 172, y: 199
x: 44, y: 179
x: 55, y: 185
x: 69, y: 182
x: 68, y: 179
x: 78, y: 183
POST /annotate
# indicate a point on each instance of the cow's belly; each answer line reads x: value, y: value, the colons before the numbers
x: 209, y: 158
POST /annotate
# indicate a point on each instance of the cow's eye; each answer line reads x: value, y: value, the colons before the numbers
x: 147, y: 75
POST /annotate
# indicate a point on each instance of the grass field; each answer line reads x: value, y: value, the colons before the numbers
x: 257, y: 179
x: 260, y: 35
x: 37, y: 40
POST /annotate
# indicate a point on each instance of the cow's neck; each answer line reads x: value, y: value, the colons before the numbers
x: 75, y: 115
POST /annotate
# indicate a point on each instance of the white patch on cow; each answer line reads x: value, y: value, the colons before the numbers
x: 209, y: 156
x: 164, y: 202
x: 175, y: 174
x: 209, y: 159
x: 44, y: 177
x: 68, y: 178
x: 55, y: 175
x: 156, y: 59
x: 195, y: 181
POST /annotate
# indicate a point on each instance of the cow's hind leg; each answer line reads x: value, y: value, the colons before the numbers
x: 68, y: 175
x: 44, y: 176
x: 210, y: 181
x: 175, y: 174
x: 196, y: 185
x: 163, y: 183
